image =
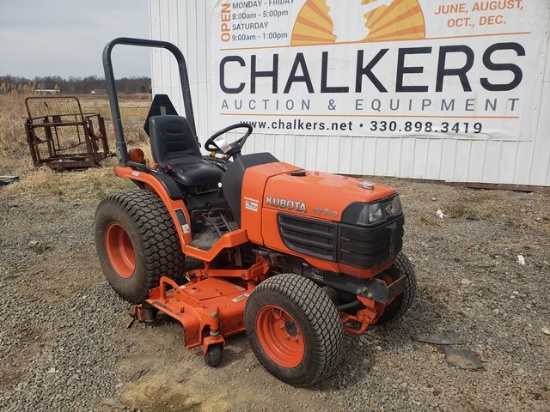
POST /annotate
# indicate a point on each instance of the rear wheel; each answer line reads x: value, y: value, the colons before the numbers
x: 137, y: 243
x: 294, y: 329
x: 397, y: 308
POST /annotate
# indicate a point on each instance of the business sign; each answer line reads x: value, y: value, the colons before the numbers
x: 380, y: 67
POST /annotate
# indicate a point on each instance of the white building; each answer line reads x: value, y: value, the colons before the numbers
x: 454, y: 92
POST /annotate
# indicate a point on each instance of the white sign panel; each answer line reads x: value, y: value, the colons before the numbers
x: 380, y: 67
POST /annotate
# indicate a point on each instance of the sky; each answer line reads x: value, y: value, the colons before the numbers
x: 66, y: 38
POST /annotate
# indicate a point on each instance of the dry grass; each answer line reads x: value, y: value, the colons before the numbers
x: 13, y: 146
x: 16, y: 157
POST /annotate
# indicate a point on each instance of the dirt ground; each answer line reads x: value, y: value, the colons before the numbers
x: 483, y: 269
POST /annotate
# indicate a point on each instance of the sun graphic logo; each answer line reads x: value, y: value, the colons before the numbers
x: 341, y: 21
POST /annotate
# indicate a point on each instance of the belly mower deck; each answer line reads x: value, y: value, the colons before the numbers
x: 208, y: 309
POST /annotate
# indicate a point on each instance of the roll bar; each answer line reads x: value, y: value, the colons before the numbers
x: 121, y: 149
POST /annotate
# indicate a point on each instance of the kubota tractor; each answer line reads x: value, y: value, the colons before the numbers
x: 231, y: 242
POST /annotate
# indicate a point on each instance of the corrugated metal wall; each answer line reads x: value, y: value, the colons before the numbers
x: 186, y: 24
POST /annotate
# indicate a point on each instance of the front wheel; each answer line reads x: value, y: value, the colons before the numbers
x: 294, y: 329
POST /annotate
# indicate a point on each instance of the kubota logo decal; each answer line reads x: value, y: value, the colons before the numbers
x: 281, y: 203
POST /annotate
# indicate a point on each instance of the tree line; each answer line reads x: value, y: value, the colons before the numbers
x: 72, y: 85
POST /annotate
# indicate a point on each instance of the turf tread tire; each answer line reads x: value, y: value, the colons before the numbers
x: 316, y: 317
x: 158, y: 252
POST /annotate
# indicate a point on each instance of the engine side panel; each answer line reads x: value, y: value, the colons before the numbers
x: 251, y: 201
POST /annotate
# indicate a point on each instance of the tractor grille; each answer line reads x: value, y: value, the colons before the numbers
x: 356, y: 246
x: 308, y: 236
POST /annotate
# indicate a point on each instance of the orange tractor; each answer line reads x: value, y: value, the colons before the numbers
x: 231, y: 242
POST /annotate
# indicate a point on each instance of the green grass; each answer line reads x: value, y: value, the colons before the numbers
x: 460, y: 212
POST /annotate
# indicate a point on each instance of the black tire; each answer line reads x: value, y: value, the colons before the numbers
x: 137, y: 243
x: 397, y: 308
x: 214, y: 355
x: 294, y: 329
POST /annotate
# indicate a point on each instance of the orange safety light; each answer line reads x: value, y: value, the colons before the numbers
x: 136, y: 155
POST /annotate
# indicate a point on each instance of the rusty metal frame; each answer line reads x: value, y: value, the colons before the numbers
x: 61, y: 136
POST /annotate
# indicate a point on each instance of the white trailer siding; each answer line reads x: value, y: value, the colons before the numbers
x: 484, y: 159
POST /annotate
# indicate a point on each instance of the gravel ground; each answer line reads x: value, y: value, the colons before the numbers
x: 65, y: 344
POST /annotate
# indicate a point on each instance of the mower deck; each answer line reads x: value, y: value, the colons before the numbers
x: 208, y: 309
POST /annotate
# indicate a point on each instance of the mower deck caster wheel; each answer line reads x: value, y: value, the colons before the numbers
x: 213, y: 355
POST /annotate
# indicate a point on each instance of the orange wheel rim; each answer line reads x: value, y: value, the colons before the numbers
x: 280, y: 336
x: 120, y: 250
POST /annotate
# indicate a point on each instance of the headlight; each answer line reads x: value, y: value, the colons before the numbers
x: 394, y: 207
x: 377, y: 212
x: 370, y: 214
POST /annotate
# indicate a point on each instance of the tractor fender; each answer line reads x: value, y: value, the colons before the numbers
x: 168, y: 192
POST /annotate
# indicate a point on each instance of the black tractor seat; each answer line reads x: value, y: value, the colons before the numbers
x: 176, y: 150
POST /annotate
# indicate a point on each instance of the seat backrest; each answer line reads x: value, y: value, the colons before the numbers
x: 172, y: 139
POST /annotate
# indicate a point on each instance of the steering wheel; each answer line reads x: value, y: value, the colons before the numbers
x: 232, y: 149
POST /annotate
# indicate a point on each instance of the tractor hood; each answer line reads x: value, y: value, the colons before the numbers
x: 321, y: 195
x: 339, y: 219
